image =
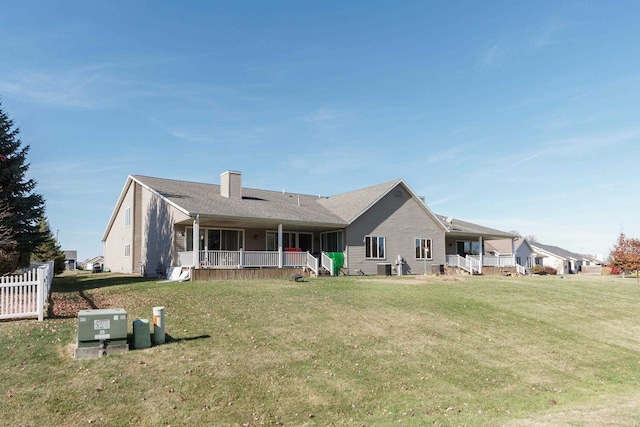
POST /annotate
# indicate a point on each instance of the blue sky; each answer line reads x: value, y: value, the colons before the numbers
x: 516, y: 115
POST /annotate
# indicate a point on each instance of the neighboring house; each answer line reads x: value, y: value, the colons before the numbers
x: 564, y: 261
x: 91, y: 262
x: 381, y: 229
x: 470, y: 241
x: 70, y: 259
x: 525, y: 254
x: 591, y: 264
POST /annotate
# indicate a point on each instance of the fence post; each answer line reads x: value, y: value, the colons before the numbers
x: 41, y: 292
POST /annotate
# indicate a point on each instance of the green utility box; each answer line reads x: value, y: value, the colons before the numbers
x: 101, y: 332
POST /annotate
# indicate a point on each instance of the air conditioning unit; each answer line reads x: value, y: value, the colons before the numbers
x: 101, y: 332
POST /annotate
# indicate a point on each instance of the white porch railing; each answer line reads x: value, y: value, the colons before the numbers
x: 25, y: 295
x: 469, y: 264
x: 495, y: 261
x: 260, y: 259
x: 327, y: 263
x: 521, y: 269
x: 243, y: 259
x: 312, y: 263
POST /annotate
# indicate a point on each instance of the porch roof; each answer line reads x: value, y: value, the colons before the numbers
x: 458, y: 227
x: 196, y: 198
x: 556, y: 251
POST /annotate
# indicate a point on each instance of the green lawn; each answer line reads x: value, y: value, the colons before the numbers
x: 332, y: 351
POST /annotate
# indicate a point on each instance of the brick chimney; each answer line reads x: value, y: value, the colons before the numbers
x: 231, y: 185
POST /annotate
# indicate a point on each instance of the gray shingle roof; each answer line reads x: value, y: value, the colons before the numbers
x: 563, y: 253
x: 462, y: 227
x: 348, y: 206
x: 205, y: 199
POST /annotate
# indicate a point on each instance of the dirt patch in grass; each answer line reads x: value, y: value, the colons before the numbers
x: 412, y: 280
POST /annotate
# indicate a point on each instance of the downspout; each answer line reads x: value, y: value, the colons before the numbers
x: 280, y: 252
x: 513, y: 251
x: 481, y: 255
x: 196, y: 242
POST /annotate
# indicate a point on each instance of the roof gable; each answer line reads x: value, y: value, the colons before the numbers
x: 352, y: 205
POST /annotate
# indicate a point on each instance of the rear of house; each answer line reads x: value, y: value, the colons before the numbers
x: 386, y: 228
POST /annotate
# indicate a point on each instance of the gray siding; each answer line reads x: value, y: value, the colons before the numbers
x: 158, y: 231
x: 400, y: 220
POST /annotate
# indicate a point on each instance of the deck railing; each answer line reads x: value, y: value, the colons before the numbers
x: 469, y: 264
x: 327, y: 263
x: 495, y: 261
x: 243, y: 259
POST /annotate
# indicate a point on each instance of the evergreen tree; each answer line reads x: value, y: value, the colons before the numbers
x: 8, y: 255
x: 17, y: 196
x: 49, y: 249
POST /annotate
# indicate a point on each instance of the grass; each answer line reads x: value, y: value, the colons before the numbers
x: 332, y: 351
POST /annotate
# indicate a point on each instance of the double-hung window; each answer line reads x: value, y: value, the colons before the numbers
x: 423, y: 248
x: 374, y: 247
x: 127, y: 217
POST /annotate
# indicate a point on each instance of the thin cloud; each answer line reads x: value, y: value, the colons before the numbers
x: 321, y: 115
x: 573, y: 146
x: 493, y: 56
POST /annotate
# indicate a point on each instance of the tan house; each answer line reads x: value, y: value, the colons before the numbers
x: 382, y: 229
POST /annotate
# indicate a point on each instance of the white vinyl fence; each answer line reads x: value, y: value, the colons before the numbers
x: 25, y: 295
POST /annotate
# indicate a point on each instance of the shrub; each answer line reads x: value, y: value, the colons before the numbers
x: 550, y: 270
x: 538, y: 269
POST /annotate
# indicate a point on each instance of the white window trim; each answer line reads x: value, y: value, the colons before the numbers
x: 189, y: 231
x: 127, y: 217
x: 430, y: 246
x: 384, y: 247
x: 127, y: 250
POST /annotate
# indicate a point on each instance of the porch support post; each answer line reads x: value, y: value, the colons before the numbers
x: 280, y: 252
x: 196, y: 242
x: 513, y: 251
x: 481, y: 255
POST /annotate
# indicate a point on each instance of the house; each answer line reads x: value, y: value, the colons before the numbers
x: 525, y: 254
x: 90, y: 263
x: 591, y: 264
x: 70, y: 259
x: 219, y: 230
x: 562, y: 260
x: 466, y: 247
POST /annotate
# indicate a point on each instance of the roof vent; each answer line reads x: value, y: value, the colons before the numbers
x: 231, y: 185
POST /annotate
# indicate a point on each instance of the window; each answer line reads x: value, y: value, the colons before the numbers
x: 127, y: 217
x: 518, y: 260
x: 290, y: 239
x: 127, y: 250
x: 213, y: 239
x: 468, y: 248
x: 332, y: 241
x: 423, y: 248
x: 374, y: 247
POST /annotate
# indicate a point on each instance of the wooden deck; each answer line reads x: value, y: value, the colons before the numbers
x: 244, y: 273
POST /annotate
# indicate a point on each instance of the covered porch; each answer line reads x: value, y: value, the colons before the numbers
x: 236, y: 244
x: 465, y: 248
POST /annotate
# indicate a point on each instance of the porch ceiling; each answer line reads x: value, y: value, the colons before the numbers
x: 261, y: 224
